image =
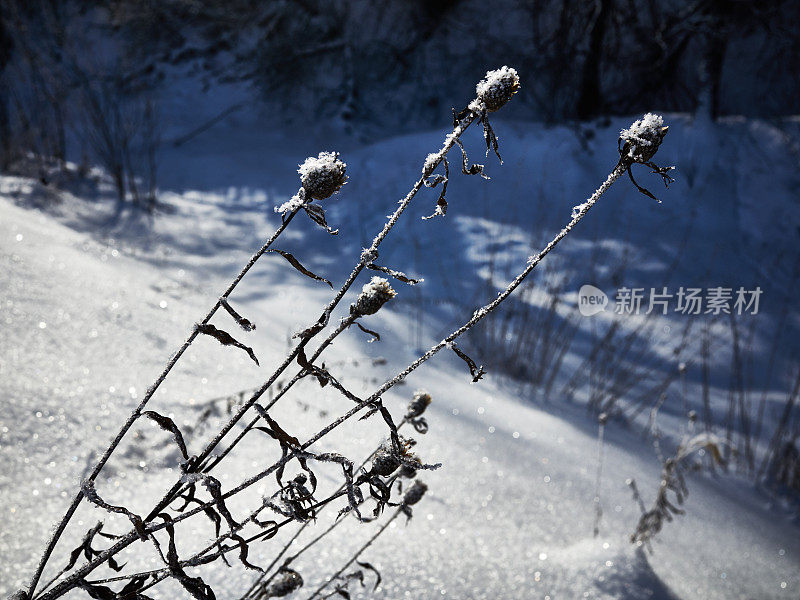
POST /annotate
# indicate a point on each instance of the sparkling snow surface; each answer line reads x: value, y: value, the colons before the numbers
x: 91, y: 310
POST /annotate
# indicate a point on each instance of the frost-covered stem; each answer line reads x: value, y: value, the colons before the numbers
x: 274, y: 562
x: 302, y: 528
x: 358, y: 553
x: 482, y: 312
x: 345, y: 323
x: 367, y: 256
x: 163, y: 573
x: 132, y: 536
x: 75, y: 578
x: 59, y: 530
x: 533, y: 261
x: 288, y: 561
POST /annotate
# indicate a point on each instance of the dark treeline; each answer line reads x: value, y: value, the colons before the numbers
x: 581, y: 58
x: 379, y: 67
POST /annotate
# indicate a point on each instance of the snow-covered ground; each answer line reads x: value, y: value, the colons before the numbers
x: 92, y: 308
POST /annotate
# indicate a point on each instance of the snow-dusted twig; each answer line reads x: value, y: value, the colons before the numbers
x: 317, y: 183
x: 321, y: 177
x: 416, y: 409
x: 59, y: 530
x: 413, y: 495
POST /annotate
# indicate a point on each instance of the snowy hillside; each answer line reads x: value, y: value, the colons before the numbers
x: 92, y: 308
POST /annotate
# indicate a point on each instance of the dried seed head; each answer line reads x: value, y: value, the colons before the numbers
x: 285, y: 582
x: 643, y: 137
x: 497, y: 88
x: 602, y: 418
x: 386, y: 460
x: 373, y: 295
x: 418, y: 404
x: 323, y: 176
x: 692, y: 416
x: 408, y: 471
x: 415, y: 493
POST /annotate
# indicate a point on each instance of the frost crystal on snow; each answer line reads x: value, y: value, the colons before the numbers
x: 373, y: 295
x: 323, y: 176
x: 643, y: 137
x: 497, y: 88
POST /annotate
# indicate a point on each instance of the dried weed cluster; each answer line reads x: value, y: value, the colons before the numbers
x: 384, y: 479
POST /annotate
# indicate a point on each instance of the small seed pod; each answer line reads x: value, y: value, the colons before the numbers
x: 415, y: 493
x: 602, y: 418
x: 643, y: 137
x: 497, y: 88
x: 408, y: 472
x: 285, y: 582
x: 418, y: 404
x: 323, y: 176
x: 385, y: 462
x: 692, y: 416
x: 373, y: 295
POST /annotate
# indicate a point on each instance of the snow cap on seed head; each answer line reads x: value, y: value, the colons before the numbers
x: 643, y: 137
x: 323, y: 176
x: 497, y: 88
x: 373, y: 295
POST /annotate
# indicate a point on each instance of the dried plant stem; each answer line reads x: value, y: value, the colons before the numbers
x: 598, y: 509
x: 163, y: 573
x: 345, y: 323
x: 59, y: 530
x: 302, y: 528
x: 367, y: 256
x: 358, y: 553
x: 532, y: 262
x: 129, y: 538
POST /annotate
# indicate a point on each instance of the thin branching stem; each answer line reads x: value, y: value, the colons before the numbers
x: 358, y: 553
x: 488, y: 308
x: 345, y: 323
x: 163, y: 573
x: 367, y: 257
x: 533, y: 261
x: 59, y: 530
x: 302, y: 528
